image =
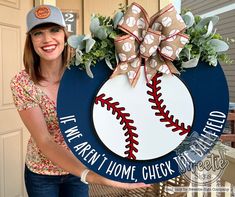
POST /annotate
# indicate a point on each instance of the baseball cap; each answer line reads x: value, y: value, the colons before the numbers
x: 44, y: 14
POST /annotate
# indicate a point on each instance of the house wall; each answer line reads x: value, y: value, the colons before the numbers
x: 202, y: 6
x: 85, y: 8
x: 225, y: 26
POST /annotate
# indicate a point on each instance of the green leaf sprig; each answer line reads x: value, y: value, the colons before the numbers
x: 204, y: 44
x: 98, y: 46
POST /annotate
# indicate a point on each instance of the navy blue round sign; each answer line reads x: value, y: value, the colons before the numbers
x: 77, y: 103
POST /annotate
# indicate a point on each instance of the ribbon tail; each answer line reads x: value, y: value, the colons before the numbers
x: 122, y: 68
x: 171, y: 67
x: 133, y: 79
x: 159, y: 64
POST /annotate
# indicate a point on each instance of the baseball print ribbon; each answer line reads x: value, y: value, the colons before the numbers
x: 156, y: 41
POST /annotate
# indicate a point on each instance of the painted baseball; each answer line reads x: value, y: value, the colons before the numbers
x: 183, y: 40
x: 153, y: 63
x: 164, y: 69
x: 173, y: 32
x: 171, y: 38
x: 130, y: 21
x: 153, y: 49
x: 122, y: 56
x: 141, y: 23
x: 135, y: 9
x: 136, y: 123
x: 167, y: 50
x: 131, y: 74
x: 148, y: 39
x: 166, y: 21
x: 127, y: 47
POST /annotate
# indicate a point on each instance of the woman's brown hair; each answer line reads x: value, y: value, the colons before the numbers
x: 31, y: 59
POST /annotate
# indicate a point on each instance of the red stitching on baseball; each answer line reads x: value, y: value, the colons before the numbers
x: 120, y: 114
x: 161, y: 108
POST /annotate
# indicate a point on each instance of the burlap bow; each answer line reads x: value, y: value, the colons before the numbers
x: 156, y: 41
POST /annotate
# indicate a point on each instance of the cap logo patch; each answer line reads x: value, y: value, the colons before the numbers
x: 42, y: 12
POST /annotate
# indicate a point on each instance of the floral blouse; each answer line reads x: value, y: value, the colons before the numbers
x: 27, y: 95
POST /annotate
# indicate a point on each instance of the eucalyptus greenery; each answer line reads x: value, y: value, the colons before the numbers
x: 204, y: 44
x: 89, y: 49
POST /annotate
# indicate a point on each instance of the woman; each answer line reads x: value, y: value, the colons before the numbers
x: 51, y: 169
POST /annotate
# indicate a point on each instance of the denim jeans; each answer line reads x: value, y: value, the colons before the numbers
x: 38, y: 185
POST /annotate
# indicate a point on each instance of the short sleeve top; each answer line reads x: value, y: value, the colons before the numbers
x: 27, y: 95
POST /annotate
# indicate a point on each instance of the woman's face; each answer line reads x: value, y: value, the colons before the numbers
x: 48, y: 42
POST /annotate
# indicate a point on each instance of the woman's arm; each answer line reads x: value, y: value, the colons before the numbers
x: 35, y: 123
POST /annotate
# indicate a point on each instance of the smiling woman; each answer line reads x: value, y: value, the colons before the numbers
x: 51, y: 169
